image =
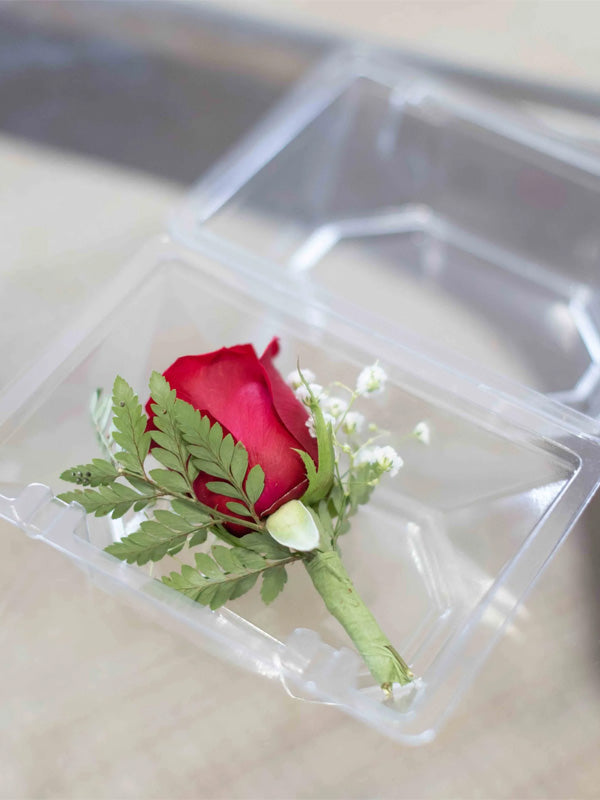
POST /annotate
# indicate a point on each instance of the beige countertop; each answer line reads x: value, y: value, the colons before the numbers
x: 548, y: 40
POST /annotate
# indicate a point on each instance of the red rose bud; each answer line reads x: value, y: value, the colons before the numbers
x: 248, y: 397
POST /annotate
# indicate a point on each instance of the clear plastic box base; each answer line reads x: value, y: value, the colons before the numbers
x: 443, y: 554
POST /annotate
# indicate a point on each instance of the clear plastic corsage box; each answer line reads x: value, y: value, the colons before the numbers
x: 444, y: 552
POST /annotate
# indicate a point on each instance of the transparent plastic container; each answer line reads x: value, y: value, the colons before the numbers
x: 429, y: 207
x: 442, y: 555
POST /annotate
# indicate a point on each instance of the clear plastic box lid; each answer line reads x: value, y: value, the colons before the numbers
x: 333, y: 227
x: 418, y: 205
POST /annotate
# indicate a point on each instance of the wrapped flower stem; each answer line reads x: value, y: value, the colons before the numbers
x: 333, y: 583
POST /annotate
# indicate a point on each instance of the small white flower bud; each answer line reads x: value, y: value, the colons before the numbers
x: 303, y: 393
x: 366, y: 455
x: 388, y: 460
x: 422, y: 432
x: 310, y: 423
x: 335, y: 406
x: 353, y: 422
x: 371, y: 381
x: 295, y: 380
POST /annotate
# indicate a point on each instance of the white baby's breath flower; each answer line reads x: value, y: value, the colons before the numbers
x: 336, y: 406
x: 366, y: 455
x: 303, y: 393
x: 294, y: 379
x: 310, y: 423
x: 371, y: 380
x: 422, y: 432
x: 353, y: 422
x: 388, y: 460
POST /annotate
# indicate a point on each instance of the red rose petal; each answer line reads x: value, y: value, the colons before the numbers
x: 291, y: 411
x: 250, y: 400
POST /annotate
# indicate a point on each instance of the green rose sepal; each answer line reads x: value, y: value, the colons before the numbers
x: 320, y: 479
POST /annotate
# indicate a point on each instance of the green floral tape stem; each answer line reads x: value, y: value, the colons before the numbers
x: 332, y: 582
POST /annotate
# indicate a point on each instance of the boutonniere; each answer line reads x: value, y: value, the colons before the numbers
x: 236, y: 474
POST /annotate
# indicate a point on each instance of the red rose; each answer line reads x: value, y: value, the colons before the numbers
x: 251, y: 401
